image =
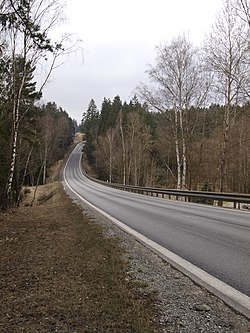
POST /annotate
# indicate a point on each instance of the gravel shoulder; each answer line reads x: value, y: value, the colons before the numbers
x: 181, y: 305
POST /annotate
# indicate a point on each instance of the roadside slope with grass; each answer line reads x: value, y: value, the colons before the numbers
x: 59, y: 274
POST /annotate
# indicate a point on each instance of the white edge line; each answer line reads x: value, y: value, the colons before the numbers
x: 228, y: 294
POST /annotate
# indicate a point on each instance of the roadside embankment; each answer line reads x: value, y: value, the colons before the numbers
x: 58, y: 273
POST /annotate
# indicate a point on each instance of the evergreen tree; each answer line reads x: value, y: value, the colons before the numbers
x: 106, y: 111
x: 90, y: 125
x: 17, y: 103
x: 109, y: 114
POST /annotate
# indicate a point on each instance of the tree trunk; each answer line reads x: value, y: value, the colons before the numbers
x: 224, y: 148
x: 123, y: 151
x: 177, y: 151
x: 110, y: 155
x: 17, y: 92
x: 45, y: 164
x: 184, y: 158
x: 25, y: 169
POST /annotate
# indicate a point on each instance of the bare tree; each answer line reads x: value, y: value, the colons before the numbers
x: 106, y: 151
x: 26, y: 25
x: 180, y: 85
x: 138, y: 143
x: 121, y: 127
x: 243, y: 10
x: 227, y: 55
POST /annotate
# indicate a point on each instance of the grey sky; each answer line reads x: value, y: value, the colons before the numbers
x: 119, y: 39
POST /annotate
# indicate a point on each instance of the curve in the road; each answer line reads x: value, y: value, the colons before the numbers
x: 214, y: 239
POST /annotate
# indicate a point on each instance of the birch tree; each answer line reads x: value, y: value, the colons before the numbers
x: 106, y: 151
x: 227, y: 55
x: 180, y: 84
x: 243, y: 10
x: 137, y: 147
x: 124, y: 167
x: 25, y: 26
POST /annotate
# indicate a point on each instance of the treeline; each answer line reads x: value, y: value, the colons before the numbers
x: 128, y: 144
x: 32, y: 136
x: 44, y: 136
x: 192, y: 129
x: 119, y: 140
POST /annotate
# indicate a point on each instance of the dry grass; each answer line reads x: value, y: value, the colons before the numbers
x: 58, y: 273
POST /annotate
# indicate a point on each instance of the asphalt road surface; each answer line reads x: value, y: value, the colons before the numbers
x: 214, y: 239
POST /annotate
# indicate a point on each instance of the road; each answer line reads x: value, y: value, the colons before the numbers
x: 217, y: 240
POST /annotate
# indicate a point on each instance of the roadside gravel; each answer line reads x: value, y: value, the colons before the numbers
x: 182, y: 305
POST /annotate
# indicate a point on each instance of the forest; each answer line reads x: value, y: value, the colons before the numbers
x: 188, y: 128
x: 127, y: 143
x: 33, y: 135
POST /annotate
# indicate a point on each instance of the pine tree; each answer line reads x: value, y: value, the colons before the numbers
x: 90, y: 126
x: 22, y: 97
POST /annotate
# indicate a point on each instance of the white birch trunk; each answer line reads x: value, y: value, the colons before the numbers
x: 110, y: 154
x: 16, y: 105
x: 45, y: 164
x: 12, y: 166
x: 184, y: 165
x: 15, y: 114
x: 123, y: 152
x: 184, y: 157
x: 177, y: 151
x: 26, y: 168
x: 224, y: 148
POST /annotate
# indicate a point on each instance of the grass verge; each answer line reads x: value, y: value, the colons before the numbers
x: 58, y: 273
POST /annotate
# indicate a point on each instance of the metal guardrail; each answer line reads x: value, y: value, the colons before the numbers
x: 189, y: 196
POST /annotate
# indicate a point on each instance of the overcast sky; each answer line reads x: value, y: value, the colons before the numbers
x: 119, y: 39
